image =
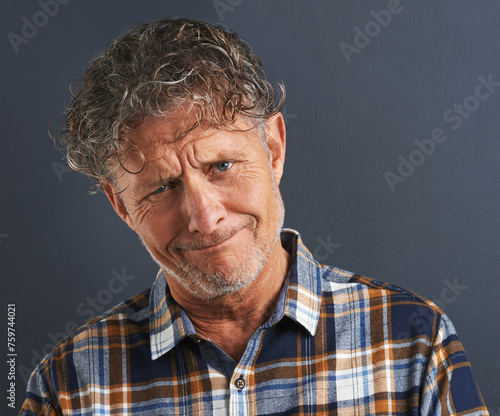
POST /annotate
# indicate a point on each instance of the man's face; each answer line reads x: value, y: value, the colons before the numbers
x: 207, y: 207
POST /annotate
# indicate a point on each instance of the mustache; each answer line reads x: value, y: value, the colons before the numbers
x: 210, y: 240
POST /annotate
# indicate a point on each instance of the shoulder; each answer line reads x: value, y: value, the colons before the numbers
x: 403, y: 313
x: 132, y: 311
x: 398, y: 312
x: 127, y: 324
x: 335, y: 279
x: 128, y: 317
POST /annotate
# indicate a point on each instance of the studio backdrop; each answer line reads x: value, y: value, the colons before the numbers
x: 392, y: 169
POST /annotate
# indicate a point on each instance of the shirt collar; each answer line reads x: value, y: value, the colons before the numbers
x: 303, y: 299
x: 165, y: 321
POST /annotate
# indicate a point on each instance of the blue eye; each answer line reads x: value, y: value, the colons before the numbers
x: 161, y: 189
x: 223, y: 166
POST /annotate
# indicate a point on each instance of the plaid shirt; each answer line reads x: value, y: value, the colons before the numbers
x: 336, y: 344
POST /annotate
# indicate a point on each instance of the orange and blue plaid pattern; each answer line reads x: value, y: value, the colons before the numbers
x: 337, y: 344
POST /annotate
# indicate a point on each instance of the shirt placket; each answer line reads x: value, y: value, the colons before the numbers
x: 242, y: 383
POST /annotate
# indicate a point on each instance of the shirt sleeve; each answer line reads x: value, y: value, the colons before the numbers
x: 448, y: 386
x: 38, y: 398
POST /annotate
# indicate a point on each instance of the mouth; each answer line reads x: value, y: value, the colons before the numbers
x: 218, y: 245
x: 212, y: 243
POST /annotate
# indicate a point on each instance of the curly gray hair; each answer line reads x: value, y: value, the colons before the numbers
x: 151, y: 69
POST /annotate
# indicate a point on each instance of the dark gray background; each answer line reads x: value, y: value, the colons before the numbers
x: 437, y: 233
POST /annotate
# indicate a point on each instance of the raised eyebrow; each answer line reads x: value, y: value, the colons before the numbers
x: 225, y: 155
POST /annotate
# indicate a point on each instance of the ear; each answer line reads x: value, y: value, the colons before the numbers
x: 276, y: 142
x: 115, y: 197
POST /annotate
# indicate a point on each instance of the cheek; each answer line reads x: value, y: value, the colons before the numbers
x: 252, y: 193
x: 157, y: 224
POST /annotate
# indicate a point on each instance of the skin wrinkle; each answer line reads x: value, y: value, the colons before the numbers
x: 150, y: 150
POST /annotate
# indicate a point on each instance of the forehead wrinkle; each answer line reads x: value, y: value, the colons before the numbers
x: 164, y: 153
x: 207, y: 150
x: 158, y: 170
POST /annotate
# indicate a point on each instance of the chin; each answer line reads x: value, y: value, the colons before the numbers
x: 224, y: 281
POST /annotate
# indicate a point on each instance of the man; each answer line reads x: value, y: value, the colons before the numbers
x: 176, y: 123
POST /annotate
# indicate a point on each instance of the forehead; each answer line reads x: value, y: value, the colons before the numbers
x: 155, y: 143
x: 154, y: 136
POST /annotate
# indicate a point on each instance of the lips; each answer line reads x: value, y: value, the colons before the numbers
x: 214, y: 241
x: 217, y: 245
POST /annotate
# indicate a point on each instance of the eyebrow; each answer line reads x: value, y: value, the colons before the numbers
x: 218, y: 154
x: 153, y: 183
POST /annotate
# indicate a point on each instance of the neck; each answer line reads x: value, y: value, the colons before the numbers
x: 230, y: 320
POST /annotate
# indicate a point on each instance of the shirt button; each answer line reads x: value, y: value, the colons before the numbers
x: 240, y: 384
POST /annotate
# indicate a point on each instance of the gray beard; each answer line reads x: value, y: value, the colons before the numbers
x: 207, y: 286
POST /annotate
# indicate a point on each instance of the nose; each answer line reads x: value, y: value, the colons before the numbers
x: 202, y: 207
